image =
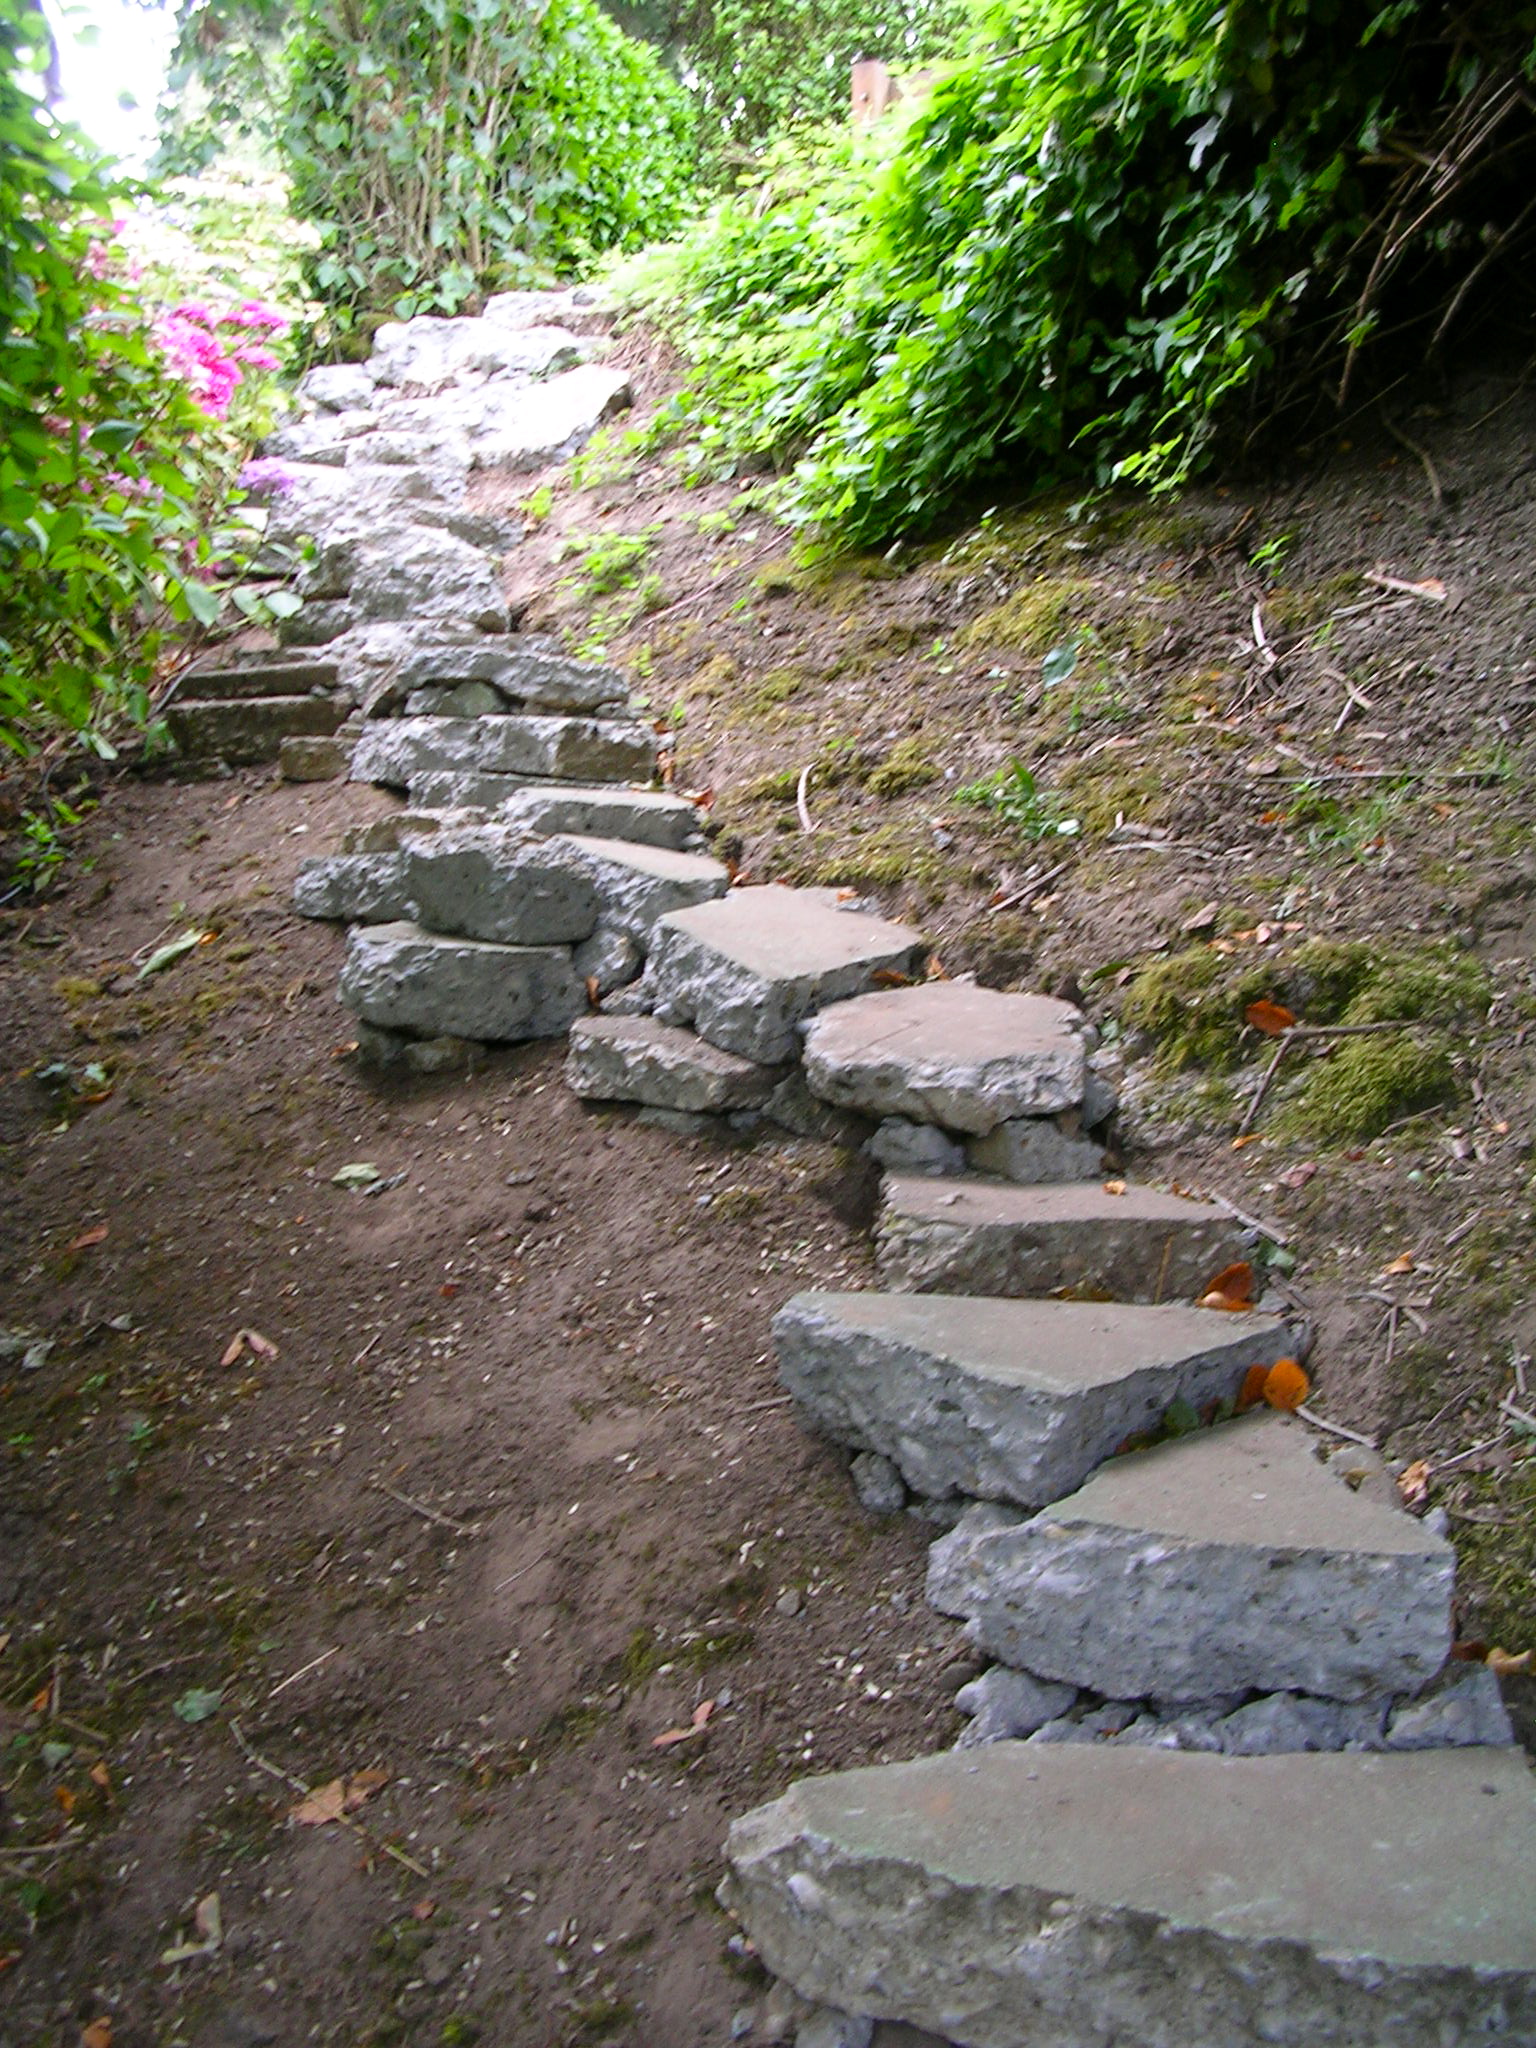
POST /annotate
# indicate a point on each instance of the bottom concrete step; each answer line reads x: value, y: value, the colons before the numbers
x: 1094, y: 1897
x: 993, y: 1237
x: 248, y: 729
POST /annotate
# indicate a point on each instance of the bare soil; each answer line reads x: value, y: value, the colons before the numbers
x: 507, y: 1489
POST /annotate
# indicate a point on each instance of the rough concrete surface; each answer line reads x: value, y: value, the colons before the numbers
x: 638, y: 1059
x: 399, y: 751
x: 747, y: 970
x: 992, y: 1237
x: 406, y: 979
x: 948, y: 1053
x: 1223, y: 1561
x: 1118, y: 1897
x: 1006, y: 1400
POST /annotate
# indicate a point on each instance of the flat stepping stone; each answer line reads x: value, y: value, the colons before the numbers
x: 262, y: 678
x: 1230, y: 1560
x: 397, y: 751
x: 1078, y: 1897
x: 745, y: 971
x: 646, y: 817
x: 401, y: 978
x: 948, y: 1053
x: 639, y: 885
x: 639, y: 1059
x: 245, y: 730
x: 992, y: 1237
x: 1006, y: 1400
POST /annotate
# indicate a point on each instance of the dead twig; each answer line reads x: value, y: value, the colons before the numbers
x: 1296, y: 1031
x: 1030, y: 888
x: 801, y: 806
x: 1353, y: 1436
x: 1436, y: 489
x: 302, y: 1672
x: 1270, y: 1230
x: 347, y: 1820
x: 420, y: 1507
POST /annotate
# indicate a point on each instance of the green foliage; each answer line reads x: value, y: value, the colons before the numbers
x: 463, y: 146
x: 1014, y: 795
x: 101, y: 466
x: 1113, y: 229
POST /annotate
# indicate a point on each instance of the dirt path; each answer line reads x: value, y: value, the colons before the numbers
x: 551, y: 1338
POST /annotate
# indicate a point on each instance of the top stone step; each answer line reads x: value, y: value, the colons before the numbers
x: 745, y: 971
x: 399, y: 751
x: 1083, y: 1896
x: 948, y: 1053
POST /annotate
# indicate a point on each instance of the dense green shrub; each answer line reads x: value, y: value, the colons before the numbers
x: 460, y: 146
x: 108, y: 472
x: 1116, y: 228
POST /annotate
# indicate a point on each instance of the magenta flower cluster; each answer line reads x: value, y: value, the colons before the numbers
x: 211, y: 347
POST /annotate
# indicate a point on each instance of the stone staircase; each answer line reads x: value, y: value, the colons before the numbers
x: 244, y: 711
x: 1223, y: 1782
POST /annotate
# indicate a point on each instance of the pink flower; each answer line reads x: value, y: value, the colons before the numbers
x: 257, y: 358
x: 266, y: 476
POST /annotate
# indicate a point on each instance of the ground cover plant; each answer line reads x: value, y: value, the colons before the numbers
x: 1118, y: 238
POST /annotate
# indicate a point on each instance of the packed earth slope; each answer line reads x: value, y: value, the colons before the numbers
x: 464, y: 1491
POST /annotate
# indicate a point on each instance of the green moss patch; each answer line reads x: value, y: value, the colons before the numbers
x: 907, y: 766
x: 1368, y: 1083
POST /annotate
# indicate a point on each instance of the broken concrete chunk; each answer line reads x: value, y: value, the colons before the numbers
x: 877, y: 1483
x: 1038, y: 1150
x: 313, y: 757
x: 363, y: 888
x: 491, y: 882
x: 1063, y: 1895
x: 400, y: 751
x: 1224, y: 1561
x: 1008, y: 1400
x: 1284, y: 1723
x: 1465, y: 1710
x: 901, y: 1146
x: 948, y: 1053
x: 639, y: 885
x: 745, y: 971
x: 637, y: 1059
x: 405, y: 979
x: 649, y: 817
x: 992, y: 1237
x: 1008, y: 1705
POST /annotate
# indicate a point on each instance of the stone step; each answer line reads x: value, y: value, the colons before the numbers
x: 639, y: 1059
x: 646, y: 817
x: 948, y: 1053
x: 398, y: 751
x: 1006, y: 1400
x: 1070, y: 1896
x: 401, y: 978
x: 245, y: 730
x: 965, y: 1236
x: 747, y: 970
x: 1229, y: 1560
x: 263, y: 677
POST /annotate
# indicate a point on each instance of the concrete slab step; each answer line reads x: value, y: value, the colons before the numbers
x: 639, y: 885
x: 268, y: 676
x: 1086, y: 1895
x: 1230, y: 1560
x: 746, y: 971
x: 646, y: 817
x: 984, y: 1236
x: 639, y: 1059
x: 245, y: 730
x: 948, y: 1053
x: 399, y: 751
x: 1006, y: 1400
x: 404, y: 979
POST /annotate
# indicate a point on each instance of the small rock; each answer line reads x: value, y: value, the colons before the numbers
x: 1288, y: 1721
x: 783, y: 2012
x: 1008, y: 1705
x: 795, y: 1109
x: 682, y: 1123
x: 878, y: 1483
x: 829, y: 2029
x: 1038, y: 1149
x: 904, y: 1147
x: 1466, y: 1711
x: 790, y: 1601
x: 742, y: 2023
x: 313, y: 757
x: 441, y: 1055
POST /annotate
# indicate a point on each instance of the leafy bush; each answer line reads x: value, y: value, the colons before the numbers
x: 109, y: 472
x: 1112, y: 229
x: 461, y: 146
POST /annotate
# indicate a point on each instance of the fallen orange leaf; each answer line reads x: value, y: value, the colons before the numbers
x: 101, y: 1776
x: 1403, y: 1263
x: 1251, y: 1393
x: 97, y: 2035
x: 1286, y: 1385
x: 1114, y: 1187
x: 1505, y: 1662
x: 890, y: 977
x: 88, y: 1237
x: 340, y: 1797
x: 1249, y: 1138
x: 1413, y: 1482
x: 1231, y: 1289
x: 423, y: 1909
x: 64, y: 1800
x: 594, y: 992
x: 42, y: 1699
x: 696, y: 1726
x: 1271, y: 1018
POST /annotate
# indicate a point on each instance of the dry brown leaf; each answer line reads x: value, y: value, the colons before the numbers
x: 1231, y: 1289
x: 234, y: 1349
x: 1297, y: 1176
x: 1286, y: 1384
x: 1251, y: 1393
x: 890, y: 977
x: 362, y: 1785
x: 1203, y: 919
x: 325, y: 1804
x: 1413, y: 1482
x: 1114, y: 1187
x: 696, y: 1726
x: 1248, y: 1138
x: 101, y: 1776
x: 594, y: 992
x: 1273, y: 1019
x: 1507, y: 1662
x: 97, y: 2035
x: 423, y: 1909
x: 42, y: 1699
x: 1469, y: 1651
x: 97, y: 1235
x: 262, y: 1346
x: 1403, y: 1263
